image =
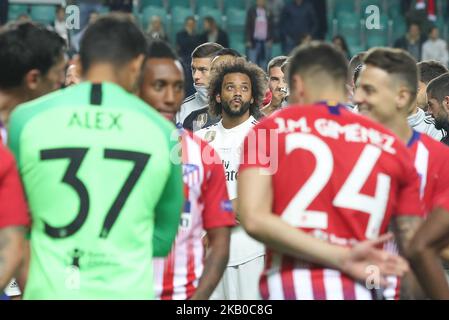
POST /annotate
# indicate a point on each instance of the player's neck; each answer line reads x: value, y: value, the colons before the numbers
x: 232, y: 122
x: 328, y: 95
x: 269, y: 109
x: 9, y: 99
x: 401, y: 128
x: 103, y: 73
x: 414, y: 111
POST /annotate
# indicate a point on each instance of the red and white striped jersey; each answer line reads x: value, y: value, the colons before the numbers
x: 206, y: 206
x: 336, y: 175
x: 430, y: 158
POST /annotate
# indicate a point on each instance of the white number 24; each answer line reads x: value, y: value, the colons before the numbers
x: 349, y: 196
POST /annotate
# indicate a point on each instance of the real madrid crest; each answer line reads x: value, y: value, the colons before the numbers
x: 201, y: 120
x: 210, y: 136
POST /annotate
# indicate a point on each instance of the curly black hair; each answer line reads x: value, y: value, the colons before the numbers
x: 258, y: 79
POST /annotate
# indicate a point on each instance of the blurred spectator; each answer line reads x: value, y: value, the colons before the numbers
x: 24, y: 18
x: 339, y: 42
x: 212, y: 33
x: 412, y: 41
x: 320, y: 7
x: 275, y: 7
x: 435, y: 48
x: 60, y: 23
x: 305, y: 39
x: 298, y: 17
x: 3, y: 11
x: 186, y: 41
x: 76, y: 39
x: 258, y: 33
x: 156, y: 30
x: 87, y: 7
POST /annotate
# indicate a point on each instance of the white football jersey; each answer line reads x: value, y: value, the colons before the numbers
x: 228, y: 144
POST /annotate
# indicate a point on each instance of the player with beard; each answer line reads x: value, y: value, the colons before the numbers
x: 277, y: 85
x: 184, y: 274
x: 236, y: 90
x: 417, y: 118
x: 438, y: 103
x: 386, y: 92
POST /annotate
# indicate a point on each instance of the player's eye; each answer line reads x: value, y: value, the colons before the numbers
x: 245, y: 89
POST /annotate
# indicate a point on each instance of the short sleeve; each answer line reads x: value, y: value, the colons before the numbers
x: 13, y: 207
x: 217, y: 206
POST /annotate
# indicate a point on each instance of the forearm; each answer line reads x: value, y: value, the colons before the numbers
x: 431, y: 276
x: 11, y: 252
x: 217, y: 255
x: 285, y: 239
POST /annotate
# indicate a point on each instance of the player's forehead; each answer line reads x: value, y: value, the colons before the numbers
x: 236, y: 78
x: 201, y: 63
x: 276, y: 72
x: 372, y: 75
x: 165, y: 69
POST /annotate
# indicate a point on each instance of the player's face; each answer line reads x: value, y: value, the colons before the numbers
x: 162, y: 86
x: 375, y: 94
x: 421, y: 99
x: 276, y: 83
x: 53, y: 79
x: 72, y: 76
x: 201, y: 71
x: 439, y: 112
x: 236, y: 94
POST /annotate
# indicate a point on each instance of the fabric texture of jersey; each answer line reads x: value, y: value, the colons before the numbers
x: 425, y: 124
x: 206, y: 207
x: 336, y: 175
x: 228, y: 143
x: 14, y: 211
x: 103, y: 192
x: 191, y: 104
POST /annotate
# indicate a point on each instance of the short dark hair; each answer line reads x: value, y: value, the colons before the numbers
x: 354, y: 64
x: 189, y: 18
x: 357, y: 73
x: 276, y: 62
x: 27, y: 46
x: 438, y: 88
x: 211, y: 20
x: 395, y: 62
x: 113, y: 38
x: 161, y: 49
x: 318, y: 57
x: 240, y: 65
x: 227, y: 52
x: 206, y: 50
x: 430, y: 69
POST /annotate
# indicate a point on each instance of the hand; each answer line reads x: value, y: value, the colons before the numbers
x: 364, y: 255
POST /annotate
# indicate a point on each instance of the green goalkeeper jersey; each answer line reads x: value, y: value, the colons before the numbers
x: 104, y: 190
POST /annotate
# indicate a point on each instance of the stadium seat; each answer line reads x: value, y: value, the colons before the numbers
x: 394, y: 9
x: 199, y: 4
x: 236, y: 4
x: 179, y: 15
x: 239, y: 46
x: 378, y: 37
x: 150, y: 11
x: 366, y: 3
x: 349, y: 27
x: 276, y: 50
x: 15, y: 10
x: 43, y: 13
x: 153, y: 3
x: 344, y: 6
x: 399, y: 28
x: 235, y: 20
x: 179, y: 3
x: 214, y: 13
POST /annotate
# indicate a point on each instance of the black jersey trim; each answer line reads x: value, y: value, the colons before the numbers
x: 96, y: 94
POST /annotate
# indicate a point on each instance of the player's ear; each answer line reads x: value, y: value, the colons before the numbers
x: 32, y: 79
x: 136, y: 63
x: 218, y: 98
x: 297, y: 89
x: 446, y: 103
x: 403, y: 98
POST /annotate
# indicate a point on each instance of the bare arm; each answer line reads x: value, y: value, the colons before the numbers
x: 11, y: 252
x: 423, y: 254
x: 217, y: 255
x: 404, y: 228
x: 255, y: 203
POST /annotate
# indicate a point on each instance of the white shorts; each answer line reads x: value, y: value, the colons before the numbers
x: 240, y: 282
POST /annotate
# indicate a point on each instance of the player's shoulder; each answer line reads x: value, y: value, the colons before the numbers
x: 189, y: 100
x: 434, y: 146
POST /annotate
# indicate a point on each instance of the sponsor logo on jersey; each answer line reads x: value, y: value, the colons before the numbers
x: 210, y: 136
x: 226, y: 205
x: 201, y: 120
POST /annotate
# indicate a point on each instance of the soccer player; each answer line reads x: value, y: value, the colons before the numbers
x: 418, y: 120
x: 386, y: 91
x: 31, y: 63
x: 236, y: 90
x: 438, y: 103
x: 316, y: 179
x: 104, y: 198
x: 14, y: 218
x: 183, y: 274
x: 201, y: 63
x: 276, y: 84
